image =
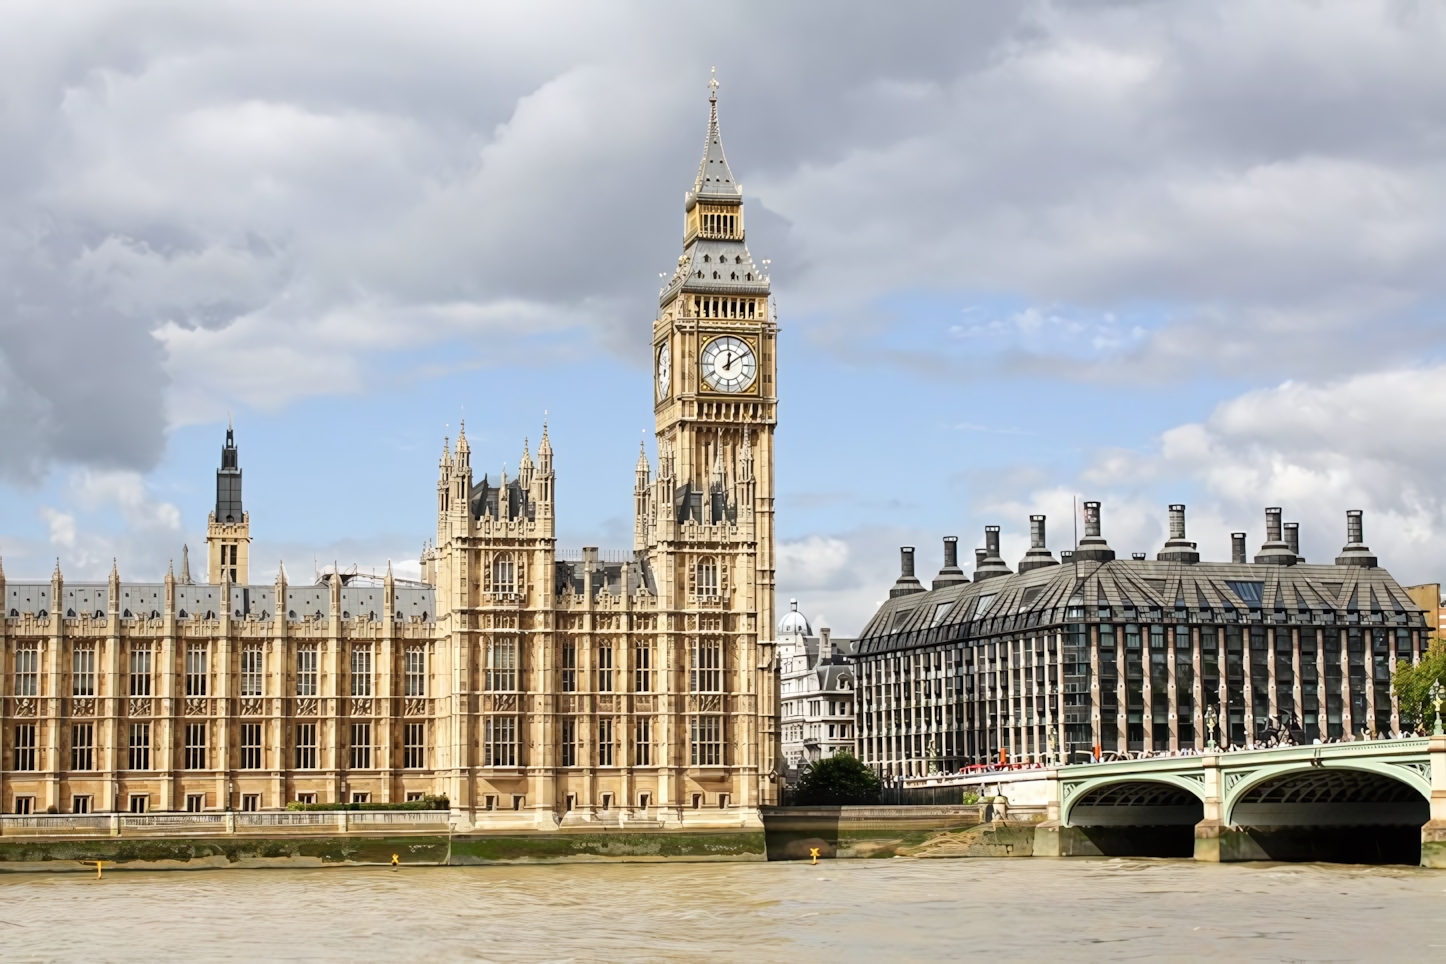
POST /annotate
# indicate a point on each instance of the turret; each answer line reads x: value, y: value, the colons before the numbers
x: 228, y: 481
x: 57, y: 583
x: 544, y: 453
x: 228, y: 530
x: 525, y: 468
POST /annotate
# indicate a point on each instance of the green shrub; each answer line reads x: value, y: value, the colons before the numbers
x: 837, y: 781
x: 1412, y: 685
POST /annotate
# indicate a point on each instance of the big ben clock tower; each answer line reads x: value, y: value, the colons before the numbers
x: 705, y: 523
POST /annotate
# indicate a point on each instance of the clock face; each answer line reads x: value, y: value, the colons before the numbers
x: 665, y: 370
x: 728, y: 364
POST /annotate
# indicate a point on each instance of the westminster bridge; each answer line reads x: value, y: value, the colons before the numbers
x: 1378, y: 801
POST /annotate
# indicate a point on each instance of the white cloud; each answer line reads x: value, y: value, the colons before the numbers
x: 1316, y: 449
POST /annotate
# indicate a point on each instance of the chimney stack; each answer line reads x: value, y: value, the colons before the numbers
x: 907, y: 582
x: 1038, y: 556
x: 951, y: 574
x: 991, y: 565
x: 1237, y: 547
x: 1093, y: 547
x: 1292, y: 539
x: 1275, y: 552
x: 1177, y: 547
x: 1356, y: 552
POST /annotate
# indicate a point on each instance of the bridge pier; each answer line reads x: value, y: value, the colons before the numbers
x: 1208, y: 831
x: 1433, y: 834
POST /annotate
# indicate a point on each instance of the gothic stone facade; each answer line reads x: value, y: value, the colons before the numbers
x: 532, y: 687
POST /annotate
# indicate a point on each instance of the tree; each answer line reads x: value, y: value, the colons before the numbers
x: 1413, y: 684
x: 836, y: 781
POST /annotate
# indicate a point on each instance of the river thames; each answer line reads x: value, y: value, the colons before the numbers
x: 861, y: 910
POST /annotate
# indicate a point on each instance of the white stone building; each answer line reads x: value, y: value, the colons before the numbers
x: 817, y: 698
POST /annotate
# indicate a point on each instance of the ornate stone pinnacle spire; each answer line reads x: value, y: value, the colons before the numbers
x: 185, y: 565
x: 114, y: 571
x: 280, y: 580
x: 2, y: 572
x: 56, y: 576
x: 642, y: 457
x: 170, y: 570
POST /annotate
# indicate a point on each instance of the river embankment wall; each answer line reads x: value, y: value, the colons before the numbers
x: 786, y: 833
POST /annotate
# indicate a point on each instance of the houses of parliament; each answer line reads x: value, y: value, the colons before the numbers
x: 530, y: 686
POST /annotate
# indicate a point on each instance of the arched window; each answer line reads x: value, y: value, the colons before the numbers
x: 707, y: 577
x: 504, y: 574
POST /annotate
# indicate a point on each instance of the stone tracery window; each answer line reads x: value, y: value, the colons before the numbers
x: 251, y: 670
x: 361, y: 670
x: 504, y: 574
x: 501, y: 664
x: 82, y: 670
x: 414, y: 668
x: 705, y: 577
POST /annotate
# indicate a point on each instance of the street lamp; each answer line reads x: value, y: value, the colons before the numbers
x: 1436, y: 701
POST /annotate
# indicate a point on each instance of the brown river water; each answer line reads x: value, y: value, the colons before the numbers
x: 859, y: 910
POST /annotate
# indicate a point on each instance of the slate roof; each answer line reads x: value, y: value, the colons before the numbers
x: 1142, y: 591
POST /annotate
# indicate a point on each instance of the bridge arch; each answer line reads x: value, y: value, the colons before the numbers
x: 1126, y: 791
x: 1356, y: 811
x: 1303, y: 784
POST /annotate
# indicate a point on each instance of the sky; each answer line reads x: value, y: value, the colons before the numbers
x: 1024, y: 255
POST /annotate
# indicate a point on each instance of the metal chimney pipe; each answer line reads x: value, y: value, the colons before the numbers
x: 906, y: 561
x: 1036, y: 532
x: 1292, y: 536
x: 1355, y: 531
x: 1237, y: 547
x: 951, y: 552
x: 1092, y: 520
x: 1177, y: 521
x: 991, y: 541
x: 1272, y: 524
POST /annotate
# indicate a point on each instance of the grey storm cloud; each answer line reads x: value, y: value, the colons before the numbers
x: 195, y: 200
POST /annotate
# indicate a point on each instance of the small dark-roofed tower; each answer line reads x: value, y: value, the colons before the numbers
x: 228, y: 531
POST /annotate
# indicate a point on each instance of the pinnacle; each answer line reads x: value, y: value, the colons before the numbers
x: 714, y: 176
